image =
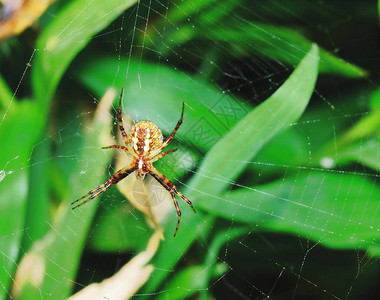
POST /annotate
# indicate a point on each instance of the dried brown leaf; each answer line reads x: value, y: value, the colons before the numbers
x: 20, y: 15
x: 127, y: 281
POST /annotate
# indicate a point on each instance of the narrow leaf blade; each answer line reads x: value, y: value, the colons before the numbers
x: 228, y: 158
x: 294, y: 93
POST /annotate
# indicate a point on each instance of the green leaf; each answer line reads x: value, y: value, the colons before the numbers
x: 13, y: 192
x: 270, y: 160
x: 5, y: 95
x: 366, y: 126
x: 336, y: 210
x: 60, y: 249
x: 375, y: 100
x: 212, y: 11
x: 170, y: 251
x: 186, y: 8
x: 360, y: 142
x: 156, y: 92
x: 285, y: 106
x: 218, y: 12
x: 20, y: 134
x: 240, y: 37
x: 37, y: 208
x: 279, y: 43
x: 118, y: 230
x: 190, y: 281
x: 213, y: 253
x: 67, y: 34
x: 366, y: 152
x: 242, y: 143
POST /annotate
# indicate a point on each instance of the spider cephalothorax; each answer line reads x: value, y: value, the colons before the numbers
x: 144, y: 143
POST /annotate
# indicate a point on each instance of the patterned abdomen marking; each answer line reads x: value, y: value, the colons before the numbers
x: 145, y: 138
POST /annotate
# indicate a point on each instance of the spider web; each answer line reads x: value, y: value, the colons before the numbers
x: 261, y: 262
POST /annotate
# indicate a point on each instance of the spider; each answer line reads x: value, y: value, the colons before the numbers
x: 144, y: 143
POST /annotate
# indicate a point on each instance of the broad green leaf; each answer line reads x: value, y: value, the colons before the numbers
x: 20, y: 128
x: 190, y: 281
x: 285, y: 106
x: 279, y: 43
x: 241, y: 144
x: 360, y: 142
x: 60, y: 42
x: 241, y: 38
x: 67, y: 142
x: 288, y: 148
x: 366, y: 126
x: 186, y: 8
x: 118, y: 230
x: 366, y: 152
x: 213, y: 253
x: 60, y: 249
x: 156, y: 92
x: 5, y: 95
x: 320, y: 129
x: 67, y: 34
x: 212, y: 11
x: 336, y: 210
x: 37, y: 208
x: 13, y: 193
x: 375, y: 100
x: 192, y: 227
x: 218, y: 12
x: 29, y: 292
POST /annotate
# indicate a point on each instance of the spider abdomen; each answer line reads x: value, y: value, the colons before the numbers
x: 145, y: 138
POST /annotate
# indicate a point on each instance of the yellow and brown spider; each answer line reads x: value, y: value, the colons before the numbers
x: 144, y: 144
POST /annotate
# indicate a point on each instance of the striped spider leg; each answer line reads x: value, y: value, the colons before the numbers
x: 144, y: 144
x: 165, y: 182
x: 119, y: 175
x: 171, y: 188
x: 115, y: 178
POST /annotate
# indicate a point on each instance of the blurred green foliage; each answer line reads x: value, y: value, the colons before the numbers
x: 280, y: 152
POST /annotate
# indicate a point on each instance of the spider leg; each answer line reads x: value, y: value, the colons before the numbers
x: 169, y: 186
x: 117, y: 147
x: 169, y: 139
x: 162, y: 154
x: 122, y: 130
x: 115, y: 178
x: 177, y: 209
